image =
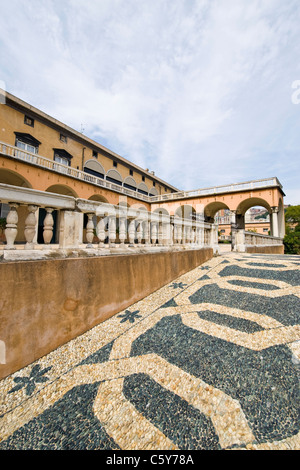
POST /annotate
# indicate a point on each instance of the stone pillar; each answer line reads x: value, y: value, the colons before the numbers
x: 70, y: 229
x: 165, y: 234
x: 48, y: 225
x: 275, y: 230
x: 240, y: 241
x: 11, y: 229
x: 30, y: 226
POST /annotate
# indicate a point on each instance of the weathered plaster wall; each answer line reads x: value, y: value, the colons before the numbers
x: 44, y: 304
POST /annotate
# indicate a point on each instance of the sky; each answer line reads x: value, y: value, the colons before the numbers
x: 203, y: 92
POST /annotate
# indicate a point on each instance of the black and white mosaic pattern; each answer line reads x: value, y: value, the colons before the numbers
x: 210, y: 361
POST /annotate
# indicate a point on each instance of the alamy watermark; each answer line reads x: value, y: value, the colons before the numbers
x: 296, y: 95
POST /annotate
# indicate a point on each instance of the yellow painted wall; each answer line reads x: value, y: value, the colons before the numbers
x: 12, y: 120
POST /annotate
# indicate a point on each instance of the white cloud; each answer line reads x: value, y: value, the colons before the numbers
x: 199, y: 91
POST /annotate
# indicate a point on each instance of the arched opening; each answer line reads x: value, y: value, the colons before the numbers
x: 215, y: 210
x: 98, y: 197
x: 57, y: 189
x: 143, y: 189
x: 251, y: 212
x: 94, y: 168
x: 161, y: 211
x: 185, y: 212
x: 13, y: 179
x: 61, y: 189
x: 114, y: 177
x: 130, y: 183
x: 153, y: 192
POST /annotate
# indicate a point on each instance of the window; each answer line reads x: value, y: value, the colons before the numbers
x: 63, y: 138
x: 63, y: 157
x: 29, y: 121
x: 95, y: 154
x: 153, y: 183
x: 131, y: 172
x: 27, y: 142
x: 27, y: 147
x: 143, y: 178
x: 115, y: 164
x: 62, y: 160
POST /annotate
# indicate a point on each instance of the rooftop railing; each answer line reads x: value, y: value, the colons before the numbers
x: 247, y: 186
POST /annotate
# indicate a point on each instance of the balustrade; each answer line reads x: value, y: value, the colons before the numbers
x: 108, y: 228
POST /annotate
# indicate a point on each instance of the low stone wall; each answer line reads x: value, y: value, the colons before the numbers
x: 268, y: 249
x: 46, y: 303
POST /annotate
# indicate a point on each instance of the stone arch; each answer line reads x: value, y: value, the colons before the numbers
x: 245, y: 205
x: 186, y: 211
x: 130, y: 183
x: 114, y: 177
x: 62, y: 189
x: 94, y: 168
x: 123, y: 204
x: 13, y: 178
x: 211, y: 209
x: 98, y: 198
x: 161, y: 211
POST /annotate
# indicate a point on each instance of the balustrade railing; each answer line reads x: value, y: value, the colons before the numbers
x: 43, y: 162
x: 258, y: 239
x: 52, y: 165
x: 87, y: 224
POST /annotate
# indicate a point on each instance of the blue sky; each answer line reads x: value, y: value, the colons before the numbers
x: 199, y: 91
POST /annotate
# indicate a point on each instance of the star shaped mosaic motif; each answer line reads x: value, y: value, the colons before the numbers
x: 178, y: 285
x: 36, y: 376
x: 129, y: 316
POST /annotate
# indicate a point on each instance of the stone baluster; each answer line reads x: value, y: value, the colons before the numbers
x: 139, y: 232
x: 30, y: 226
x: 160, y: 233
x: 90, y: 230
x: 112, y: 230
x: 146, y: 229
x: 100, y: 230
x: 48, y: 225
x: 122, y: 230
x: 189, y: 234
x: 184, y: 234
x: 153, y: 233
x: 175, y: 233
x: 179, y: 233
x: 11, y: 229
x: 131, y: 232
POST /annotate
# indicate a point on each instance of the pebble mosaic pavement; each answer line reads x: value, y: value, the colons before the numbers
x: 208, y: 362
